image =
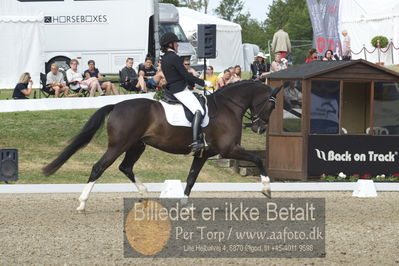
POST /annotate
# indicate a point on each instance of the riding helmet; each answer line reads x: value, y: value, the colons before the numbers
x: 167, y: 38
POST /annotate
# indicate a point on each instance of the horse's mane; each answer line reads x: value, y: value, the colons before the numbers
x: 238, y: 84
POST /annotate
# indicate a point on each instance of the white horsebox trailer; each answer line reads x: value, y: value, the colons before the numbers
x: 107, y: 31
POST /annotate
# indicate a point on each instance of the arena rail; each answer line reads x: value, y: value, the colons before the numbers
x: 205, y: 187
x: 45, y: 104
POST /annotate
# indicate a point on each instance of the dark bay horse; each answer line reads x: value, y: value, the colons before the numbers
x: 135, y: 123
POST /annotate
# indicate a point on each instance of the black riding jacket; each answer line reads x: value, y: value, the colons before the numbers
x: 176, y: 74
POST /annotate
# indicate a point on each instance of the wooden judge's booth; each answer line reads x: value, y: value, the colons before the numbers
x: 335, y: 116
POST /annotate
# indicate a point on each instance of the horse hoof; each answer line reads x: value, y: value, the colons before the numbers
x: 143, y: 190
x: 267, y: 193
x: 81, y: 211
x: 184, y: 200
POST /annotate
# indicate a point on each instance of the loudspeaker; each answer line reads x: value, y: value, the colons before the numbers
x: 206, y: 40
x: 8, y: 165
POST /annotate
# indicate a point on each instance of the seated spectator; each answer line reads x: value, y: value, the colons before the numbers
x: 311, y: 55
x: 129, y: 78
x: 23, y: 87
x: 278, y: 64
x: 211, y: 78
x: 329, y: 56
x: 236, y: 76
x: 259, y: 67
x: 224, y: 80
x: 186, y: 63
x: 160, y: 75
x: 151, y: 75
x: 76, y: 82
x: 231, y: 69
x: 293, y: 95
x: 93, y: 72
x: 55, y: 82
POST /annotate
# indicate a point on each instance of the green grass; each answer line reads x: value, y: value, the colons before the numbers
x: 40, y: 136
x: 7, y: 94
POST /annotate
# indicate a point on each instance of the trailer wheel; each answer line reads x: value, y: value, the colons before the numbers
x: 62, y: 62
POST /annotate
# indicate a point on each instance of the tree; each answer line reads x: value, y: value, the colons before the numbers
x: 294, y: 16
x: 229, y: 9
x: 199, y: 5
x: 252, y: 31
x: 173, y: 2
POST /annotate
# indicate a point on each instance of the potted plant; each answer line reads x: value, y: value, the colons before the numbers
x: 379, y: 42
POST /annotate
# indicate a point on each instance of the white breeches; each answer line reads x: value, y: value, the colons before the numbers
x: 189, y: 100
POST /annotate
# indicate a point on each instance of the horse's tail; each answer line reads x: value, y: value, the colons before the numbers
x: 80, y: 140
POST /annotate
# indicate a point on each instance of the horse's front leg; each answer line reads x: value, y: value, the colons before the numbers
x: 196, y: 167
x: 239, y: 153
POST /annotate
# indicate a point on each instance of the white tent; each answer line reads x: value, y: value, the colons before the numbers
x: 21, y: 46
x: 250, y: 51
x: 365, y: 19
x: 228, y: 37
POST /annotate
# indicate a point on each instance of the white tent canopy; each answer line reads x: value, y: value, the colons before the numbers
x: 365, y: 19
x: 228, y: 37
x: 21, y: 46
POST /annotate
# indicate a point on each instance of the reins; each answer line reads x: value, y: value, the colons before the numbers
x: 254, y: 118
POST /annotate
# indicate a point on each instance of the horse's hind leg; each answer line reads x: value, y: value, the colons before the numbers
x: 98, y: 169
x: 126, y: 167
x: 239, y: 153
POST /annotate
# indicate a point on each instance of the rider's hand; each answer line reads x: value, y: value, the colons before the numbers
x: 208, y: 84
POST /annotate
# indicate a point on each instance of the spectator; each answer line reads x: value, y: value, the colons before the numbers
x: 278, y: 63
x: 236, y: 74
x: 346, y: 47
x: 259, y: 68
x: 281, y: 42
x: 293, y: 95
x: 129, y: 78
x: 211, y: 78
x: 231, y: 69
x: 76, y: 82
x: 329, y: 56
x: 23, y: 87
x: 93, y: 72
x: 148, y: 72
x: 55, y: 82
x: 311, y: 55
x: 191, y: 70
x: 159, y: 76
x: 224, y: 80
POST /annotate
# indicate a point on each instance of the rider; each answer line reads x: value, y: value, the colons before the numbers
x: 178, y: 78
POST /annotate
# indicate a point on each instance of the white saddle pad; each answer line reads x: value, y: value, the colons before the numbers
x: 176, y: 117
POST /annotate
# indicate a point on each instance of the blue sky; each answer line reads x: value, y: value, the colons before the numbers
x: 257, y: 8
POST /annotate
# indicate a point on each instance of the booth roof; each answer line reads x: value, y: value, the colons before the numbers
x: 315, y: 68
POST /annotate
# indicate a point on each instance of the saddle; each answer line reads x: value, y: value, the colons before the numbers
x: 169, y: 98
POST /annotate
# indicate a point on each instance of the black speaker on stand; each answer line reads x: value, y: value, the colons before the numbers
x: 206, y: 36
x: 8, y: 165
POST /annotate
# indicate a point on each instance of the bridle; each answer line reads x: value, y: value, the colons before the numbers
x: 257, y: 117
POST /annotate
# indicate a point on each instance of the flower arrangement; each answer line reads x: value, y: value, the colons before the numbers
x: 383, y: 41
x: 341, y: 177
x: 159, y: 93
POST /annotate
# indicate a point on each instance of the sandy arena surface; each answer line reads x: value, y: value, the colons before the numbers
x: 45, y: 229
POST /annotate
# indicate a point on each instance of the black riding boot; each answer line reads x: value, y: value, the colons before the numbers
x: 197, y: 144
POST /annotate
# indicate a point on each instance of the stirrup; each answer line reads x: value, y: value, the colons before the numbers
x: 197, y: 146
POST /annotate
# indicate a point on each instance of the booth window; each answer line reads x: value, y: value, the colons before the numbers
x: 386, y: 108
x: 324, y: 110
x: 356, y: 107
x: 292, y: 112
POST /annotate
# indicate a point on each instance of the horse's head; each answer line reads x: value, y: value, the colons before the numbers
x: 261, y: 110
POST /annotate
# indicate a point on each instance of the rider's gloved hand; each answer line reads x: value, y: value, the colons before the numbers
x: 208, y: 84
